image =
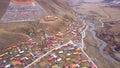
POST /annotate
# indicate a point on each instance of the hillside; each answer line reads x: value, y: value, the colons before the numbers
x: 12, y: 33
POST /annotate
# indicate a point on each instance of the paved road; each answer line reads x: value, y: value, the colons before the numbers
x: 45, y: 55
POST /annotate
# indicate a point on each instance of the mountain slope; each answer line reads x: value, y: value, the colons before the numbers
x: 12, y: 33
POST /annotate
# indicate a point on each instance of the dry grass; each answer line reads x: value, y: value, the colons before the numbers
x: 3, y: 6
x: 12, y: 33
x: 93, y: 52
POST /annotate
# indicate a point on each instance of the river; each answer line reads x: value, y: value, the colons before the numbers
x: 93, y: 27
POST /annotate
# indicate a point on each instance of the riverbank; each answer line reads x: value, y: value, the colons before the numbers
x: 110, y: 34
x: 93, y: 51
x: 93, y: 13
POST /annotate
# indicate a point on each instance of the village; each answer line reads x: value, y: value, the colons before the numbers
x: 68, y: 55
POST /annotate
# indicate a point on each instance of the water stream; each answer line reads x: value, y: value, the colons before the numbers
x: 93, y: 27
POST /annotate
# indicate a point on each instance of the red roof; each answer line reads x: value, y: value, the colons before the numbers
x: 50, y: 59
x: 17, y: 63
x: 49, y: 45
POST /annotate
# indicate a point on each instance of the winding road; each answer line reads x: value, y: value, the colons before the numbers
x: 83, y: 29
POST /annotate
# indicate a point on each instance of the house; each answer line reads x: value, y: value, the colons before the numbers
x: 59, y: 59
x: 80, y: 53
x: 59, y: 34
x: 1, y: 59
x: 76, y: 61
x: 67, y: 67
x: 17, y: 55
x: 75, y: 53
x: 60, y: 52
x: 49, y: 45
x: 48, y: 66
x: 28, y: 55
x: 26, y: 58
x: 73, y: 65
x: 68, y: 54
x: 17, y: 63
x: 92, y: 66
x: 10, y: 53
x: 26, y: 49
x: 78, y: 49
x: 30, y: 46
x: 21, y: 52
x: 2, y: 55
x: 55, y: 66
x: 84, y: 61
x: 53, y: 55
x: 12, y: 58
x: 68, y: 59
x: 9, y: 48
x: 77, y: 65
x: 37, y: 49
x: 4, y: 61
x: 50, y: 59
x: 8, y: 66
